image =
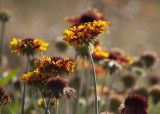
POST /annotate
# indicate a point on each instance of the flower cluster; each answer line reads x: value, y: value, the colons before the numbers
x: 4, y: 97
x: 27, y: 46
x: 89, y: 16
x: 135, y: 104
x: 48, y: 67
x: 84, y: 34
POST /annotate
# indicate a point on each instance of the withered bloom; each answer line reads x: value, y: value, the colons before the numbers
x: 4, y: 97
x: 4, y: 17
x: 154, y: 92
x: 128, y: 79
x: 135, y: 104
x: 54, y: 87
x: 149, y: 58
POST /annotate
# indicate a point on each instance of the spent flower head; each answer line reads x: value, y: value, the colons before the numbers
x: 83, y: 34
x: 154, y: 92
x: 4, y: 16
x: 54, y: 87
x: 149, y: 58
x: 27, y: 46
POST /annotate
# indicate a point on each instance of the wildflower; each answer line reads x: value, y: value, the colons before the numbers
x: 84, y: 34
x: 52, y: 103
x: 135, y: 104
x: 4, y: 17
x: 27, y: 46
x: 55, y: 65
x: 89, y: 16
x: 154, y: 92
x: 4, y: 97
x: 48, y: 67
x: 121, y: 59
x: 54, y: 87
x: 149, y: 58
x: 115, y: 102
x: 128, y: 79
x: 99, y: 54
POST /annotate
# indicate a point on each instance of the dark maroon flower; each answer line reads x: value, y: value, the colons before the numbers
x: 54, y: 87
x: 88, y: 16
x: 135, y: 104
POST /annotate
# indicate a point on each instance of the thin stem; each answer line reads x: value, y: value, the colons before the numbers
x: 56, y: 106
x: 48, y: 105
x: 95, y: 81
x: 45, y: 105
x: 76, y: 109
x: 24, y: 89
x: 110, y: 88
x: 2, y: 49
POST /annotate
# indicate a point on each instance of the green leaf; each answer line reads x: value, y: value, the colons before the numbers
x: 9, y: 77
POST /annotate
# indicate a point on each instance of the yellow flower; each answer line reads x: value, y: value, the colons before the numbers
x: 99, y: 54
x: 52, y: 103
x: 84, y: 34
x: 27, y: 46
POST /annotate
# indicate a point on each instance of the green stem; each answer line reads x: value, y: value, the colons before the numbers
x: 24, y: 89
x: 48, y: 105
x: 2, y: 49
x: 95, y: 81
x: 56, y: 106
x: 45, y: 105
